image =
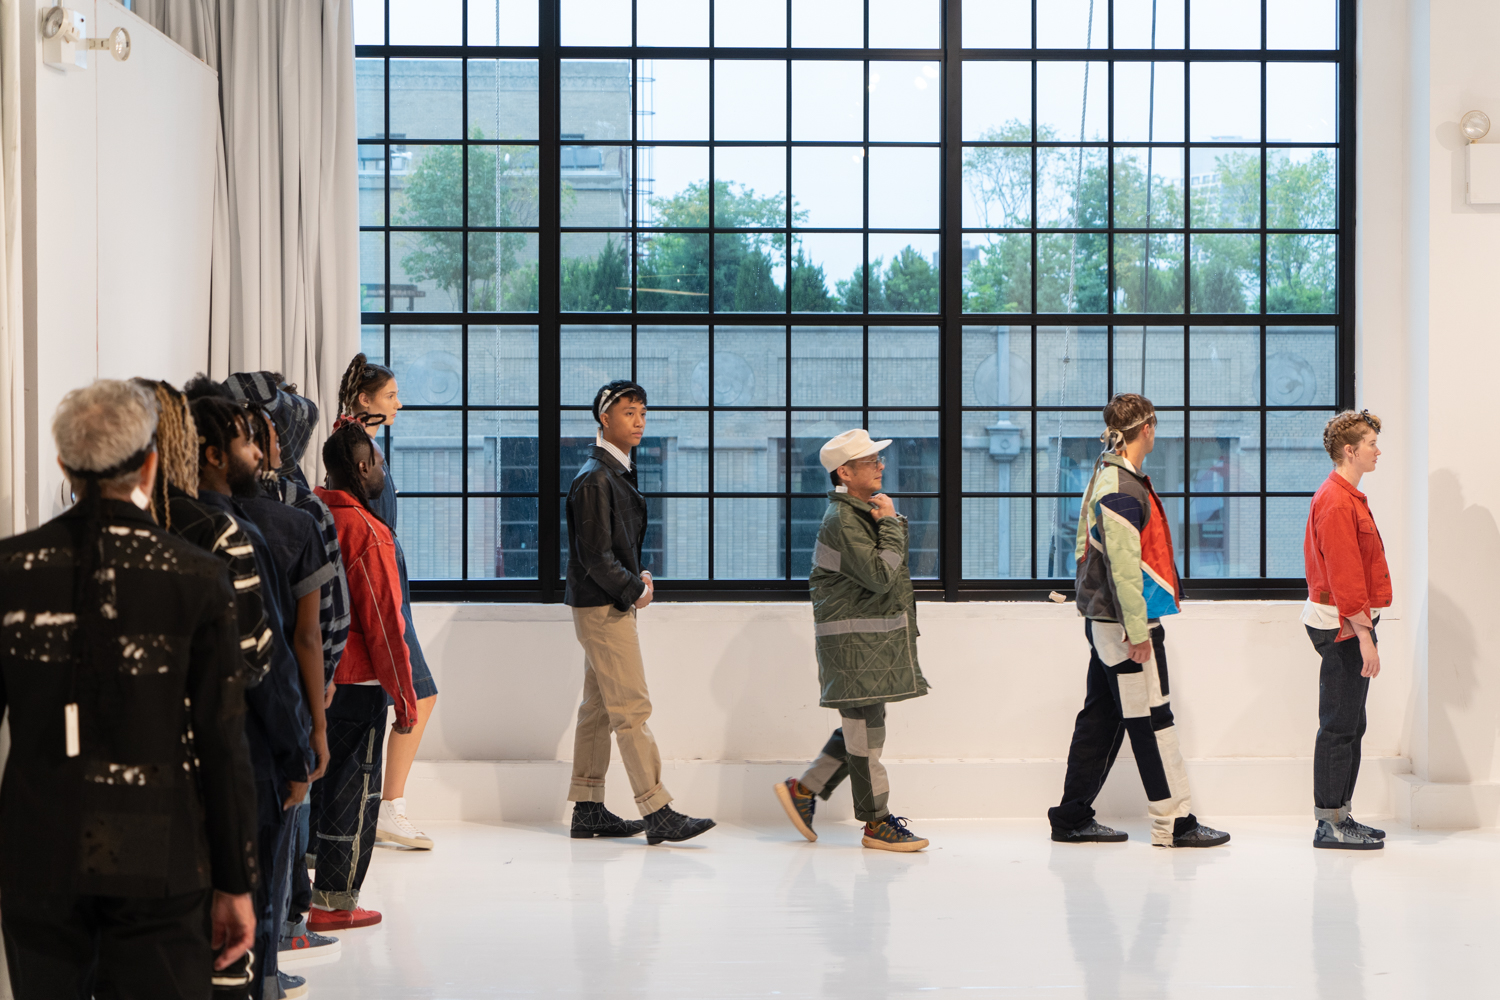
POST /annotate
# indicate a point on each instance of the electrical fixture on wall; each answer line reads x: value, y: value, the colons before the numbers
x: 1483, y: 187
x: 65, y: 41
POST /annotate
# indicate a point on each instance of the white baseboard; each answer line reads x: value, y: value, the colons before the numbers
x: 740, y: 791
x: 1431, y: 805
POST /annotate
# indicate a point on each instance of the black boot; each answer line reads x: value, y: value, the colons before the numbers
x: 668, y: 824
x: 591, y: 819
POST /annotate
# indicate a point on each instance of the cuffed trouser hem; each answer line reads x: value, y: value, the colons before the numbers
x: 586, y: 790
x: 323, y: 900
x: 653, y: 800
x: 1334, y: 816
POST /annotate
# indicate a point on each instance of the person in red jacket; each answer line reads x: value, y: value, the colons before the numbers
x: 1348, y: 585
x: 375, y: 672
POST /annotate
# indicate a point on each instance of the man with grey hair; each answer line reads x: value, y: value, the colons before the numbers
x: 865, y: 629
x: 127, y: 829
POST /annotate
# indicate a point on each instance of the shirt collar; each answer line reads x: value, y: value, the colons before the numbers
x: 841, y: 489
x: 1340, y: 480
x: 620, y: 456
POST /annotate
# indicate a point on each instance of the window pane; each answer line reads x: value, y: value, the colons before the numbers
x: 595, y: 273
x: 749, y: 99
x: 997, y: 538
x: 924, y: 534
x: 749, y: 366
x: 372, y: 273
x: 674, y: 99
x: 1295, y: 459
x: 595, y: 100
x: 1148, y: 188
x: 904, y: 102
x: 1072, y: 273
x: 426, y: 457
x: 1226, y: 188
x: 503, y: 272
x: 1301, y: 24
x: 811, y: 430
x: 502, y: 451
x: 427, y: 22
x: 671, y: 22
x: 1225, y: 24
x: 1156, y: 372
x: 1302, y: 188
x: 1301, y: 102
x: 1286, y: 528
x: 673, y: 272
x: 429, y: 370
x: 671, y: 362
x: 503, y: 534
x: 828, y: 366
x: 996, y: 365
x: 515, y: 24
x: 997, y: 451
x: 1301, y: 365
x: 743, y: 533
x: 904, y: 188
x: 997, y: 105
x: 372, y: 343
x: 1225, y: 456
x: 1224, y: 536
x: 591, y: 356
x: 432, y: 537
x: 1226, y: 102
x: 903, y: 366
x: 672, y: 188
x: 1057, y: 519
x: 676, y: 543
x: 502, y: 366
x: 904, y: 24
x: 828, y: 272
x: 1072, y: 101
x: 369, y: 22
x: 1148, y: 273
x: 1074, y: 183
x: 1148, y: 102
x: 997, y: 24
x: 997, y: 187
x: 1166, y: 464
x: 1147, y: 24
x: 828, y: 24
x: 503, y: 189
x: 369, y: 97
x: 596, y: 22
x: 1302, y: 274
x: 749, y: 272
x: 913, y: 458
x: 828, y: 103
x: 577, y: 445
x: 807, y: 518
x: 828, y: 187
x: 673, y: 455
x: 425, y: 185
x: 904, y: 274
x: 1067, y: 24
x: 1226, y: 273
x: 997, y: 272
x: 1226, y: 366
x: 502, y: 98
x: 427, y: 99
x: 1072, y: 367
x: 750, y: 188
x: 426, y: 271
x: 748, y: 25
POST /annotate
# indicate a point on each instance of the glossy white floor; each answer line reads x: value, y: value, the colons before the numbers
x: 992, y: 908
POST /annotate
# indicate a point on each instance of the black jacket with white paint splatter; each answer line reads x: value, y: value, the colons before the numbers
x: 161, y: 799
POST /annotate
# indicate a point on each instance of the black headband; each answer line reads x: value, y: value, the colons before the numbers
x: 130, y: 464
x: 1365, y: 416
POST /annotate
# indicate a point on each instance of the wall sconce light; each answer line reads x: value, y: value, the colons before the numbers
x: 1483, y: 160
x: 1475, y: 125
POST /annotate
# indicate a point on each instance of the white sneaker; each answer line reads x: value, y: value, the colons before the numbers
x: 395, y: 828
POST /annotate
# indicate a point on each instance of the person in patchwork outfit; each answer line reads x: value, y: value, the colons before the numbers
x: 865, y: 629
x: 1127, y: 582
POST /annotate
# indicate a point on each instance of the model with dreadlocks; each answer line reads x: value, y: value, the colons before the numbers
x: 120, y: 644
x: 369, y: 392
x: 1127, y: 582
x: 374, y: 672
x: 280, y: 728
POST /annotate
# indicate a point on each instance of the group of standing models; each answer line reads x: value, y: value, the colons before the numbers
x: 865, y: 634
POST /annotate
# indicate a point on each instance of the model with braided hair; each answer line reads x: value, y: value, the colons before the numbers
x: 368, y: 392
x: 344, y: 814
x: 1127, y: 582
x: 1348, y: 586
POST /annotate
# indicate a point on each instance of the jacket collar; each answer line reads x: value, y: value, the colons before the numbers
x: 338, y: 498
x: 623, y: 457
x: 1334, y: 477
x: 115, y: 510
x: 863, y: 506
x: 607, y: 459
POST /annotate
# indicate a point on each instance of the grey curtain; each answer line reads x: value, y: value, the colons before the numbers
x: 12, y: 424
x: 286, y: 228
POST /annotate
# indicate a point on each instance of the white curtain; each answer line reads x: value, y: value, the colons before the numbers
x: 286, y: 228
x: 12, y: 424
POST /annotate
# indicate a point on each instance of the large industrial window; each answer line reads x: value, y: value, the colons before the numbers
x: 962, y: 225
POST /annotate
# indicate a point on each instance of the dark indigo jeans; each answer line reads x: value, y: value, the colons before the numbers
x: 1341, y: 722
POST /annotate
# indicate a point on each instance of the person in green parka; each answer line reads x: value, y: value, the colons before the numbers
x: 865, y: 632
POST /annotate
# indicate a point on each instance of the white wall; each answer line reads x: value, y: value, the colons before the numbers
x: 117, y: 181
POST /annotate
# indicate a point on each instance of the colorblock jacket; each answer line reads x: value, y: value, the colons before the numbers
x: 1126, y: 569
x: 1344, y: 555
x: 376, y: 650
x: 864, y: 614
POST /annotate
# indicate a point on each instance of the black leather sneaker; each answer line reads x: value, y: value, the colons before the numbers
x: 670, y: 825
x: 1094, y: 833
x: 1201, y: 836
x: 591, y: 819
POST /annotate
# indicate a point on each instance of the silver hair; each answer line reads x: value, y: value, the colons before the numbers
x: 103, y: 424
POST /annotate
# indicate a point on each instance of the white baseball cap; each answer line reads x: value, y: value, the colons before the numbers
x: 847, y: 447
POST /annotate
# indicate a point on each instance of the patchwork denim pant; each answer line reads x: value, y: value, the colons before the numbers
x: 1126, y: 697
x: 854, y: 751
x: 346, y: 801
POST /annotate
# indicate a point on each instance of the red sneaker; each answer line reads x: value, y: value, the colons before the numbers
x: 324, y: 921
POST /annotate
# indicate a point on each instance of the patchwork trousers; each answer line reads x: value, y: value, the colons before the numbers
x: 854, y: 751
x: 1341, y: 722
x: 1126, y: 697
x: 615, y: 700
x: 346, y: 800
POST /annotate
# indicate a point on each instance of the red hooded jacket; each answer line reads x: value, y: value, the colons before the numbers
x: 1344, y: 554
x: 377, y: 647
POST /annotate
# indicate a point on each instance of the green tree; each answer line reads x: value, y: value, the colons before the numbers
x: 911, y: 283
x: 1301, y: 271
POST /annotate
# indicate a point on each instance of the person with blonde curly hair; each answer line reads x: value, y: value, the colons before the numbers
x: 1348, y: 585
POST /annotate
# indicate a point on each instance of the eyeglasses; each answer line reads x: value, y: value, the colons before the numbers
x: 872, y: 460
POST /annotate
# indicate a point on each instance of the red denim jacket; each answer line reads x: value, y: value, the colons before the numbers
x: 1344, y: 554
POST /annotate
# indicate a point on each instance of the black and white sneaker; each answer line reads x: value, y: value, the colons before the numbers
x: 1094, y: 833
x: 1344, y: 836
x: 670, y: 825
x: 591, y: 819
x: 1368, y: 831
x: 1200, y: 836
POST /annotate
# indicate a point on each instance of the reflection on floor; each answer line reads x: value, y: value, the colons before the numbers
x: 993, y: 908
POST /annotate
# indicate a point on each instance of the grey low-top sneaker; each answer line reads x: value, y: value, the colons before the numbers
x: 1201, y: 836
x: 1368, y: 831
x: 1344, y: 836
x: 1094, y: 833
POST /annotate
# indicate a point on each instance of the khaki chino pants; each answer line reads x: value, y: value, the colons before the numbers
x: 615, y: 700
